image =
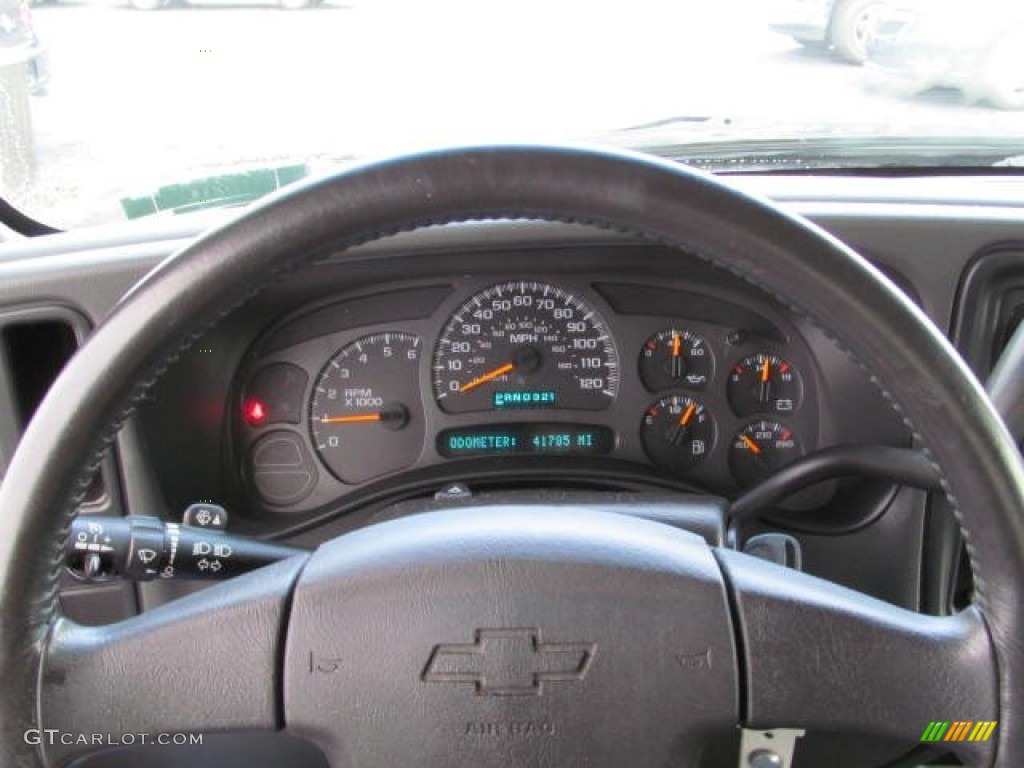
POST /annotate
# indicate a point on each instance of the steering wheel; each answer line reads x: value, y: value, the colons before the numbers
x: 507, y: 637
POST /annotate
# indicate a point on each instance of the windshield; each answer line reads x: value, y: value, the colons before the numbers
x: 115, y: 109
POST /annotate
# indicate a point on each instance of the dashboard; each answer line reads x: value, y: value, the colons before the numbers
x: 241, y: 420
x: 700, y: 385
x: 502, y: 359
x: 596, y: 366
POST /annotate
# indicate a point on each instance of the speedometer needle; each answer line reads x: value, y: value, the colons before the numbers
x: 489, y: 376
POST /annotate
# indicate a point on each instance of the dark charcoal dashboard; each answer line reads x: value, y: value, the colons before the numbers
x: 506, y: 358
x: 596, y: 405
x: 687, y: 381
x: 591, y: 366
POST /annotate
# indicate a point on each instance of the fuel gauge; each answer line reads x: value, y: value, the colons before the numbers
x: 677, y: 432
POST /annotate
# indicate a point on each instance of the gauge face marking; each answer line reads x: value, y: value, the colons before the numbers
x: 675, y: 358
x: 760, y: 449
x: 764, y: 383
x: 365, y: 414
x: 678, y: 432
x: 525, y: 345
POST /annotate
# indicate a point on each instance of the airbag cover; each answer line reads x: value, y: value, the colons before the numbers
x: 505, y: 636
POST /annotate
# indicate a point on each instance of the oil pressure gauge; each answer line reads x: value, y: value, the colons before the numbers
x: 675, y: 358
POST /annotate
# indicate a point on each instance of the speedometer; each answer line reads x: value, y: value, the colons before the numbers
x: 525, y: 345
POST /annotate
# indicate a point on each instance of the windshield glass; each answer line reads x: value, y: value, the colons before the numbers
x: 114, y: 109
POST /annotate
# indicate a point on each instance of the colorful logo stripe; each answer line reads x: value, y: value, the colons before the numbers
x: 959, y: 730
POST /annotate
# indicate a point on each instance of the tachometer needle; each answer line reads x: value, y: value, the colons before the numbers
x: 754, y: 447
x: 357, y: 419
x: 392, y: 416
x: 490, y: 376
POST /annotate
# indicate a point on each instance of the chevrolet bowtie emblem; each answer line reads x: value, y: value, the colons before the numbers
x: 509, y: 662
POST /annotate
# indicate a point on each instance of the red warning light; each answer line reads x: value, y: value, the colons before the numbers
x: 254, y: 412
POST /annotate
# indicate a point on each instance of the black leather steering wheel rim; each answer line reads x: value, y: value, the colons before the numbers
x: 796, y: 262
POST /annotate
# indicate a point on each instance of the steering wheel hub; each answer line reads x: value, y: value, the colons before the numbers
x: 511, y: 636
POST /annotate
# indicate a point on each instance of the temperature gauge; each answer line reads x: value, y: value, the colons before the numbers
x: 764, y: 383
x: 675, y: 358
x: 677, y: 432
x: 760, y: 449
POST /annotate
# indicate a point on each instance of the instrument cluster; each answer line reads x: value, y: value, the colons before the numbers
x: 513, y: 370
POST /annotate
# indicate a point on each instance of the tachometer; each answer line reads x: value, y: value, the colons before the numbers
x: 525, y: 345
x: 365, y: 414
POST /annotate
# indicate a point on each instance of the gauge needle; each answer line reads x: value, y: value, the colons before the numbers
x: 357, y: 419
x: 754, y: 447
x: 677, y: 361
x: 684, y: 422
x: 685, y: 418
x: 391, y: 416
x: 766, y: 377
x: 490, y: 376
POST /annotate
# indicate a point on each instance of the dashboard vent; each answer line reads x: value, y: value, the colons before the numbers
x: 35, y: 352
x: 990, y: 306
x: 36, y: 344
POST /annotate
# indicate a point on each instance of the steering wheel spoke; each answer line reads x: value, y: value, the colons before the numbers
x: 820, y: 656
x: 205, y: 663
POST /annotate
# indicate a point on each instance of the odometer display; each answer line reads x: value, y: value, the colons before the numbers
x: 565, y: 439
x: 525, y: 345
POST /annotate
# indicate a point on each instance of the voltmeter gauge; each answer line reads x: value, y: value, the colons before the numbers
x: 675, y: 358
x: 678, y: 432
x: 764, y: 383
x: 760, y: 449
